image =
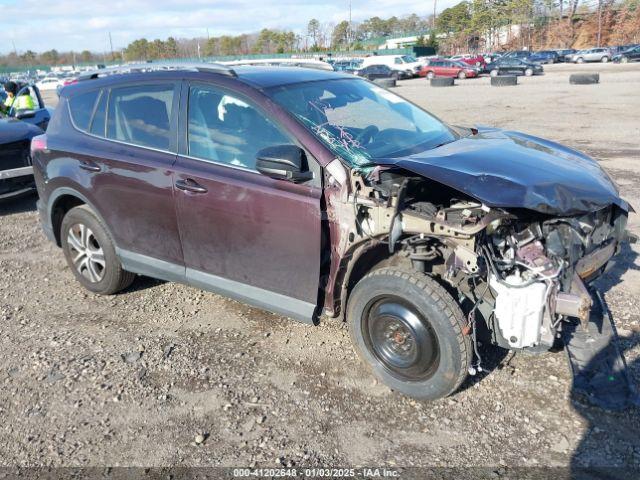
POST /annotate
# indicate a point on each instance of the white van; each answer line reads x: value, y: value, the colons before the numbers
x: 405, y: 63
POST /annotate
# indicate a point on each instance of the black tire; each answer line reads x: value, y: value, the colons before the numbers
x: 504, y: 81
x: 494, y: 73
x: 385, y: 82
x: 584, y: 78
x: 605, y: 59
x: 105, y: 279
x: 435, y: 359
x: 442, y: 82
x: 430, y: 75
x: 528, y: 72
x: 580, y: 60
x: 462, y: 75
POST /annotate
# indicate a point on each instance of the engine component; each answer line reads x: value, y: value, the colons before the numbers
x: 519, y: 309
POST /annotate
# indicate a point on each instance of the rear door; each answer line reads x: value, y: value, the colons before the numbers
x: 124, y: 159
x: 244, y: 235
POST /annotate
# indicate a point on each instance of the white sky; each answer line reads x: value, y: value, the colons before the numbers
x: 84, y: 24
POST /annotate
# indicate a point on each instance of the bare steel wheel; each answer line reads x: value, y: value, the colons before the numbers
x: 400, y: 339
x: 90, y: 252
x: 409, y: 330
x: 88, y: 256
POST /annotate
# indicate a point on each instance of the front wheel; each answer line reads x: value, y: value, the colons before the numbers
x: 494, y: 73
x: 90, y: 252
x: 462, y: 75
x: 624, y: 60
x: 430, y: 75
x: 604, y: 59
x: 528, y: 72
x: 580, y: 60
x: 408, y: 329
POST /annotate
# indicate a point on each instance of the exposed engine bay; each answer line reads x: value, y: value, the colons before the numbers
x: 524, y: 272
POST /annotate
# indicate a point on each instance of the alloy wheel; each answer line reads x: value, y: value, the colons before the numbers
x: 86, y: 253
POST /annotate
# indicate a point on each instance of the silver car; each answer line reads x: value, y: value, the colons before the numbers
x: 591, y: 55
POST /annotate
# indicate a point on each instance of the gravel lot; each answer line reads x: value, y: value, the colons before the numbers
x: 133, y: 379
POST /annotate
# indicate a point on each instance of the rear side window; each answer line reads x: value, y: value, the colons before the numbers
x: 141, y: 115
x: 99, y: 117
x: 81, y: 107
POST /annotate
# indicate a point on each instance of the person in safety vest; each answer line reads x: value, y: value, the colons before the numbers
x: 18, y: 102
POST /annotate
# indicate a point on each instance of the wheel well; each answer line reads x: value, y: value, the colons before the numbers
x: 62, y: 205
x: 376, y: 256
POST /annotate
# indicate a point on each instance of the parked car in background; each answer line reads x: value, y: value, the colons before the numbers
x: 523, y: 54
x: 66, y: 82
x: 544, y: 57
x: 17, y: 128
x: 564, y: 53
x: 441, y: 67
x: 474, y: 60
x: 402, y: 63
x: 256, y: 183
x: 348, y: 66
x: 49, y: 83
x: 590, y: 55
x: 630, y: 55
x: 513, y: 66
x: 373, y: 72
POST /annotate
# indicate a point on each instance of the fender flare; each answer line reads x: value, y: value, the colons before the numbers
x: 62, y: 191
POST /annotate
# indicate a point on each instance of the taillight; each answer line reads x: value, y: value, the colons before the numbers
x: 38, y: 143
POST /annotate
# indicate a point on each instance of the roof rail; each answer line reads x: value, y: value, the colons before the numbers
x: 158, y: 67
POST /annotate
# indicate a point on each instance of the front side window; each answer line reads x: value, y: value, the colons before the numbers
x: 141, y: 115
x: 225, y: 129
x: 360, y: 122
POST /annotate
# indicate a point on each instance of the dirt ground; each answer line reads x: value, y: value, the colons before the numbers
x: 132, y: 379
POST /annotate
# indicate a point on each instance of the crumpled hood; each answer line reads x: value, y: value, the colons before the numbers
x: 14, y: 130
x: 513, y: 170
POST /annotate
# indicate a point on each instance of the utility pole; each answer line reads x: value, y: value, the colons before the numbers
x: 599, y: 22
x: 350, y: 30
x: 111, y: 46
x: 435, y: 4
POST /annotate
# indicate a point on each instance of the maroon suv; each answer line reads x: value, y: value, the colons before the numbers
x: 310, y: 193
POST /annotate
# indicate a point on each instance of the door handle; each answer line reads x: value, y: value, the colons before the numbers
x: 189, y: 185
x: 90, y: 167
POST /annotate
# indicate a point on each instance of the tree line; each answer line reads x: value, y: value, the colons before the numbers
x: 486, y: 25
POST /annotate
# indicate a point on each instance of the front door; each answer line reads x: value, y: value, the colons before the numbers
x: 243, y: 234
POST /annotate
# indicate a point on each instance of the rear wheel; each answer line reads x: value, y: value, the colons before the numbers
x: 494, y: 73
x: 430, y: 75
x: 624, y: 60
x: 408, y: 329
x: 604, y: 59
x: 528, y: 72
x: 462, y: 75
x: 580, y: 60
x: 90, y: 252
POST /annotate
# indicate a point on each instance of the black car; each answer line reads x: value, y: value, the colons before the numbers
x: 545, y: 56
x: 630, y: 55
x: 513, y: 66
x: 17, y: 128
x: 373, y: 72
x: 563, y: 53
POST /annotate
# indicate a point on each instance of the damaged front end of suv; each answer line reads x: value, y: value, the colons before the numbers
x: 513, y: 228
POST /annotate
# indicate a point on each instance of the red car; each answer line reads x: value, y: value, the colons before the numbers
x: 446, y: 68
x: 475, y: 60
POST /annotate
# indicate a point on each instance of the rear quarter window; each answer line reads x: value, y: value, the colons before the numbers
x: 81, y: 108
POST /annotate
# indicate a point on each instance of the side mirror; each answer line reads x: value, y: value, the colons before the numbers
x: 22, y: 114
x: 284, y: 162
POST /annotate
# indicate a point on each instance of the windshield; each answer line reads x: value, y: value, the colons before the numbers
x: 360, y: 122
x: 408, y: 59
